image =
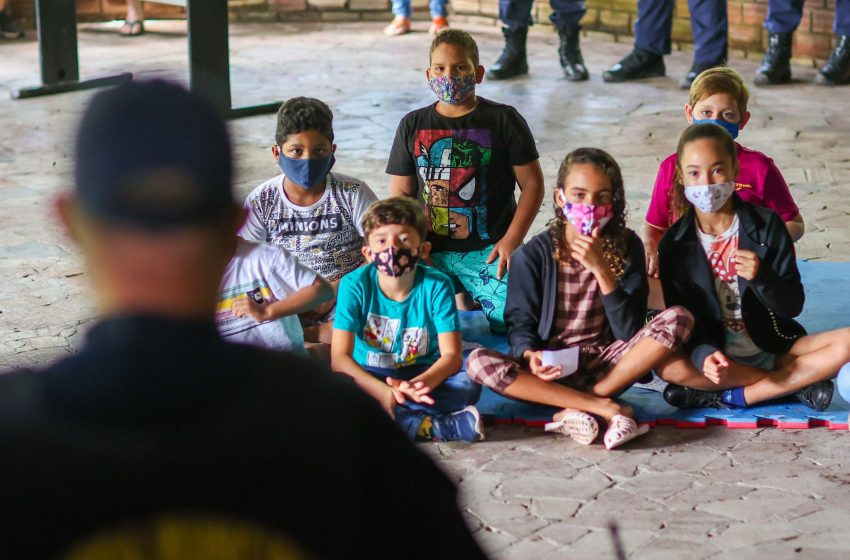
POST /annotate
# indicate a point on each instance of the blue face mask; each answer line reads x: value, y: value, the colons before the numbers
x: 731, y: 128
x: 306, y: 172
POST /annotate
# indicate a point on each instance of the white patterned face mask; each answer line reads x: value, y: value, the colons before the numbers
x: 709, y: 198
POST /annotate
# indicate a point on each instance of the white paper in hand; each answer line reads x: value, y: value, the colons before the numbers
x: 566, y: 358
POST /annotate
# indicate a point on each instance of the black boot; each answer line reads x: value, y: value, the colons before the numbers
x: 7, y: 28
x: 512, y: 62
x: 776, y: 66
x: 816, y: 396
x: 836, y: 71
x: 634, y: 66
x: 569, y: 53
x: 696, y: 70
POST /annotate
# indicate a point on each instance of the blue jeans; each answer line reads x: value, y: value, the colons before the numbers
x: 783, y: 16
x: 566, y: 14
x: 709, y: 24
x: 453, y: 394
x: 403, y: 8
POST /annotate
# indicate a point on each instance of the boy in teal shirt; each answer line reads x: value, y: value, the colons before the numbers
x: 397, y: 331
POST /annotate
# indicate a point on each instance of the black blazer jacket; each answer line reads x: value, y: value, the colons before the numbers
x: 768, y: 302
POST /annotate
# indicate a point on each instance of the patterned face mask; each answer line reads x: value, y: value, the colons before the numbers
x: 452, y: 89
x: 709, y: 198
x: 586, y: 217
x: 394, y: 262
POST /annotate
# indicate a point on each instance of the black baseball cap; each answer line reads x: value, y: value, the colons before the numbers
x: 154, y: 155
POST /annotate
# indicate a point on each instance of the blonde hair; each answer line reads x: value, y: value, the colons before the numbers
x: 720, y: 79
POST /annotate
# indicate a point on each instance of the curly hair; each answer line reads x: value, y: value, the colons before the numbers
x: 614, y: 234
x: 303, y: 113
x: 679, y: 205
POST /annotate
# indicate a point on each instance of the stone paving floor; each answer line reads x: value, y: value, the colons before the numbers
x: 713, y: 493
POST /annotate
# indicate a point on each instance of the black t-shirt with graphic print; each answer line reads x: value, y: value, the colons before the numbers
x: 464, y: 169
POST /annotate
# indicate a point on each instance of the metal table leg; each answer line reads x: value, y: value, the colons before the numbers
x: 57, y: 42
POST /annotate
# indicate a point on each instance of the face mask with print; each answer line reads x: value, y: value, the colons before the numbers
x: 452, y: 89
x: 587, y: 217
x: 709, y: 198
x: 306, y: 172
x: 395, y: 262
x: 731, y: 128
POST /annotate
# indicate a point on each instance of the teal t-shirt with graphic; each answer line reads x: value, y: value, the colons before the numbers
x: 395, y: 334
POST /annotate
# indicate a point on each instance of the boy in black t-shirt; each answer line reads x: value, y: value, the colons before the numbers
x: 462, y: 157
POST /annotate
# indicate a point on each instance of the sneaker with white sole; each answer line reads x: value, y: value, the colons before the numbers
x: 463, y: 425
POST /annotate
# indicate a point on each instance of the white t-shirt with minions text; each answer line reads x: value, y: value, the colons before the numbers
x: 326, y: 236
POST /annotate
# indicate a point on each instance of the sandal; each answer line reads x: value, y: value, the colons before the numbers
x: 622, y: 429
x: 580, y: 426
x: 398, y: 26
x: 132, y: 28
x: 438, y: 24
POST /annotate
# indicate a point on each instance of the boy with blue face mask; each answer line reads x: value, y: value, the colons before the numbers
x: 462, y: 157
x: 718, y: 96
x: 312, y: 212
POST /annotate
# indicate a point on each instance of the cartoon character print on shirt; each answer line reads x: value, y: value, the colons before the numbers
x: 453, y: 165
x: 414, y: 343
x: 725, y: 272
x: 380, y: 333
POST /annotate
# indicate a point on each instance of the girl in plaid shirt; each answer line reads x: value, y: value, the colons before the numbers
x: 577, y: 295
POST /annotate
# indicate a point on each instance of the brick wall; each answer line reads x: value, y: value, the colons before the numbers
x: 612, y: 19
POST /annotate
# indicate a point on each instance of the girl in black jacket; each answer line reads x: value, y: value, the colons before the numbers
x: 575, y: 310
x: 732, y: 265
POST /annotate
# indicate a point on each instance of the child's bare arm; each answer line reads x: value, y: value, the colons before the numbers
x: 449, y: 363
x: 796, y: 227
x: 302, y: 300
x: 342, y: 361
x: 651, y: 236
x: 530, y: 180
x: 403, y: 185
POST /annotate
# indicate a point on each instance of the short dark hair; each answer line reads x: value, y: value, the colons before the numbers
x: 458, y: 38
x: 303, y: 113
x: 397, y: 210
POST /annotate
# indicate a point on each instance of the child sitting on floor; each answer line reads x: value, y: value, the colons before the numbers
x: 312, y: 212
x: 262, y: 290
x: 397, y: 331
x: 463, y: 157
x: 575, y: 310
x: 732, y: 265
x: 719, y: 96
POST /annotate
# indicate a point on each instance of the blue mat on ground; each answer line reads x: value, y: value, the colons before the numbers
x: 823, y: 311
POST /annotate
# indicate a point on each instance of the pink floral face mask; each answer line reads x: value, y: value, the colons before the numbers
x: 586, y: 217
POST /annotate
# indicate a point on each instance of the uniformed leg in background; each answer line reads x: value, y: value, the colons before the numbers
x: 652, y: 41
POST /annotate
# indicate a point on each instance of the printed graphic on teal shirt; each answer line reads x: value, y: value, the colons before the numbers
x: 453, y: 165
x: 381, y: 332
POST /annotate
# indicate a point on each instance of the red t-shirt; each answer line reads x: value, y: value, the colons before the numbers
x: 759, y: 182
